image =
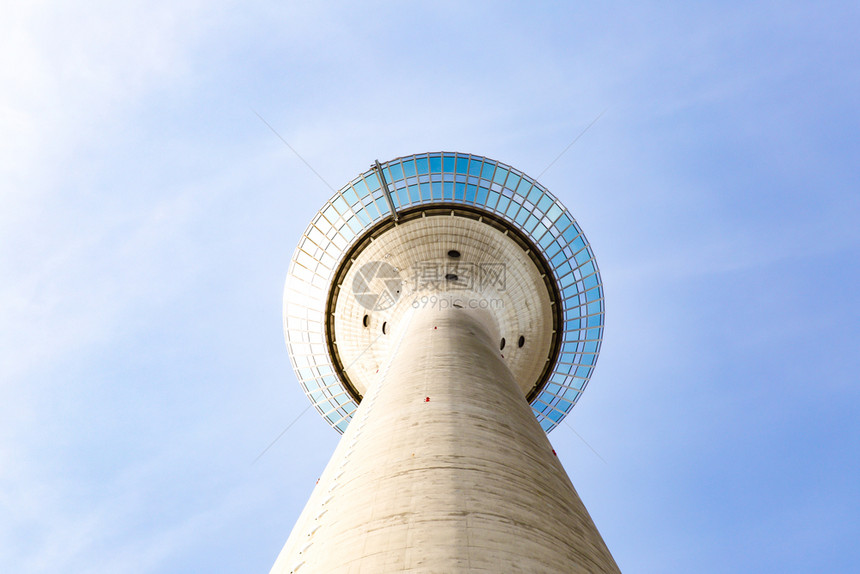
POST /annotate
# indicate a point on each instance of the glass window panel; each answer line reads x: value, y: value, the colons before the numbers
x: 360, y: 188
x: 448, y: 163
x: 340, y: 205
x: 522, y: 216
x: 570, y: 234
x: 544, y: 203
x: 350, y: 195
x: 462, y: 164
x: 500, y: 175
x: 330, y: 214
x: 459, y: 191
x: 354, y: 224
x: 470, y: 193
x: 587, y: 269
x: 409, y: 168
x: 396, y: 172
x: 310, y: 386
x: 403, y: 197
x: 372, y: 182
x: 437, y: 189
x: 545, y: 238
x: 425, y: 192
x: 487, y: 170
x: 481, y: 196
x: 492, y: 199
x: 563, y: 221
x: 422, y: 165
x: 475, y: 167
x: 569, y: 291
x: 503, y: 204
x: 414, y: 194
x: 513, y: 181
x: 372, y: 210
x: 566, y: 279
x: 448, y: 190
x: 382, y: 205
x: 553, y: 212
x: 559, y: 378
x: 435, y: 164
x: 564, y: 270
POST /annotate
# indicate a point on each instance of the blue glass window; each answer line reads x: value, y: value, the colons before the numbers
x: 396, y: 172
x: 475, y: 167
x: 500, y: 175
x: 437, y: 189
x: 487, y: 171
x: 422, y: 165
x: 435, y: 164
x: 425, y: 192
x: 350, y: 195
x: 481, y: 196
x: 544, y: 203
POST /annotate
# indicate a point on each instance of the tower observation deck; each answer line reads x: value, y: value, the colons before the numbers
x: 443, y: 312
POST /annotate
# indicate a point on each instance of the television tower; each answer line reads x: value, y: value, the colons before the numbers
x: 443, y: 311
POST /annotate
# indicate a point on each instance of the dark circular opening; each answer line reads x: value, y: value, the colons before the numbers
x: 366, y: 320
x: 385, y: 328
x: 502, y: 344
x: 450, y: 277
x: 521, y: 342
x: 453, y: 254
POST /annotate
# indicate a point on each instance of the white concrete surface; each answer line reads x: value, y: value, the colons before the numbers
x: 418, y: 250
x: 444, y: 469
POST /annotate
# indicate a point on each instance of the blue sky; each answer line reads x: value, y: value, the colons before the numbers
x: 147, y: 219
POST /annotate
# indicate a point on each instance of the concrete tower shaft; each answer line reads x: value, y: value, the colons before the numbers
x: 444, y: 469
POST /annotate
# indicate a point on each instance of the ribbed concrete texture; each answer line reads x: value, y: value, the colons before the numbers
x: 444, y: 469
